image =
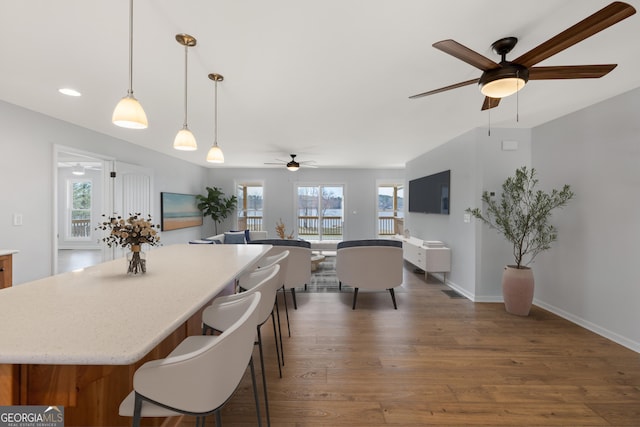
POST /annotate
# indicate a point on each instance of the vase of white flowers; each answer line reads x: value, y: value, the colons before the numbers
x: 132, y: 233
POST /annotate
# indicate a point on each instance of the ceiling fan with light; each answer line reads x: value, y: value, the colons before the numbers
x: 499, y: 80
x: 293, y: 165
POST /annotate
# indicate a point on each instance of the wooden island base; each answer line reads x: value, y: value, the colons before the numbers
x: 91, y: 395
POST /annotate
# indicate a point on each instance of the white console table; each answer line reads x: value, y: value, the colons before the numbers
x: 430, y: 256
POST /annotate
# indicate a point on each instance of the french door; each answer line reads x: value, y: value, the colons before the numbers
x: 320, y: 212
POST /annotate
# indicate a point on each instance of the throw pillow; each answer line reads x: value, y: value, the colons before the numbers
x: 234, y: 238
x: 247, y: 237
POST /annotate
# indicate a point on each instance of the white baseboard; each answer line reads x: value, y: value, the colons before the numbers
x: 617, y: 338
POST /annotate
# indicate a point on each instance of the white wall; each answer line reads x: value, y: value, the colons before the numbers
x: 590, y: 276
x: 477, y: 162
x: 279, y: 194
x: 27, y: 168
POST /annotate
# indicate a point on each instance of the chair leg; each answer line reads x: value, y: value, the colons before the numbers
x: 393, y: 298
x: 286, y: 309
x: 218, y: 419
x: 255, y: 390
x: 355, y: 297
x: 293, y: 296
x: 339, y: 285
x: 137, y: 409
x: 275, y: 335
x: 281, y: 351
x: 264, y: 378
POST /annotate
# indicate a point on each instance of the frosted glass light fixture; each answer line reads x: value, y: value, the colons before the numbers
x: 215, y: 154
x: 77, y: 170
x: 185, y: 140
x: 129, y: 113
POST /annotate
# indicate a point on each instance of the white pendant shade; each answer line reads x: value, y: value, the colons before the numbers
x: 215, y: 155
x: 129, y: 114
x: 185, y: 140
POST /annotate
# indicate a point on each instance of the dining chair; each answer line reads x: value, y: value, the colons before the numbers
x: 199, y: 375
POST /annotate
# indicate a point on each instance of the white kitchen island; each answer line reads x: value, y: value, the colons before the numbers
x: 75, y: 339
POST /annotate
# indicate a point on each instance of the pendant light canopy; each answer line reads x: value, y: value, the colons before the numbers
x: 215, y: 154
x: 184, y: 139
x: 129, y: 113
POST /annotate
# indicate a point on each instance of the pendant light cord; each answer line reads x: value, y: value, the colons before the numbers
x: 186, y: 52
x: 215, y: 116
x: 130, y: 92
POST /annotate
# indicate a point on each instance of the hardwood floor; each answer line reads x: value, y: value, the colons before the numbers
x: 438, y: 361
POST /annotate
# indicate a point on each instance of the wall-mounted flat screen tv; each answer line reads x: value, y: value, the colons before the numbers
x: 430, y: 194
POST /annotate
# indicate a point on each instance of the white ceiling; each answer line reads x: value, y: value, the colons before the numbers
x: 328, y: 80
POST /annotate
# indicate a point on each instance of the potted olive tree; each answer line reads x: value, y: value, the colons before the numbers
x: 216, y: 205
x: 522, y: 217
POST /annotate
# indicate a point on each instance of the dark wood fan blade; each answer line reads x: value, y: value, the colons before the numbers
x: 570, y: 72
x: 490, y: 103
x: 465, y: 54
x: 604, y: 18
x: 443, y: 89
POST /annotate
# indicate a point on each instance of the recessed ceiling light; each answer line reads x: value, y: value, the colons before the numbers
x: 69, y: 91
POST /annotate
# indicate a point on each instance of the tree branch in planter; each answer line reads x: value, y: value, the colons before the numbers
x: 522, y: 214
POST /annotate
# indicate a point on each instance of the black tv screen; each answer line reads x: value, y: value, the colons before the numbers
x: 430, y: 194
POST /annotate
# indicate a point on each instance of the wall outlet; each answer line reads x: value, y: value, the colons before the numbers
x: 17, y: 219
x: 467, y: 217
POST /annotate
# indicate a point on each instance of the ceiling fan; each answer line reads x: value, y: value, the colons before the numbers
x: 499, y: 80
x: 293, y: 165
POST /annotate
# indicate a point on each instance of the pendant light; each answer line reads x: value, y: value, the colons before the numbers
x: 77, y: 170
x: 215, y: 153
x: 185, y: 140
x: 129, y: 113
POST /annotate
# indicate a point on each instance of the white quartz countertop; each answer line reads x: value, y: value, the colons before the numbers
x: 8, y: 251
x: 102, y: 316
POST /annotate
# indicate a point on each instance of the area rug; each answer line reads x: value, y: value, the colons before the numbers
x: 324, y: 278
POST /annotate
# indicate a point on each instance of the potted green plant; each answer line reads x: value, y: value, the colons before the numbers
x: 522, y: 216
x: 216, y: 205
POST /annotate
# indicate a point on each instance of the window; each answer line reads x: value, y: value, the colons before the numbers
x: 320, y: 212
x: 79, y: 203
x: 390, y: 209
x: 250, y: 206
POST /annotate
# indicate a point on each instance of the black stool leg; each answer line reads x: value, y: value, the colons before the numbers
x: 393, y: 298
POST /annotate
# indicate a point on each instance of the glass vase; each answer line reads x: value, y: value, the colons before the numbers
x: 136, y: 260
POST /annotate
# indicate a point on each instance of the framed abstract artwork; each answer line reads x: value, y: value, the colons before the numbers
x: 179, y: 211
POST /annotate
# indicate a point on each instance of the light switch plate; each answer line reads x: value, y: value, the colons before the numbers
x: 17, y: 219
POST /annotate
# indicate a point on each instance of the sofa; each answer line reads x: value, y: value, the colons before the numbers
x: 237, y: 237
